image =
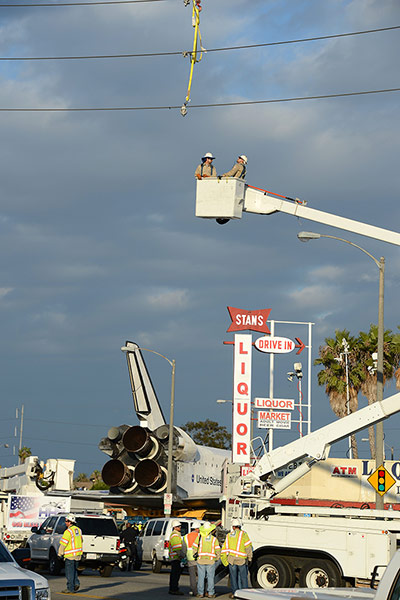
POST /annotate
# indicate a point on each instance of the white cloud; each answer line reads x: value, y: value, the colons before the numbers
x: 169, y: 299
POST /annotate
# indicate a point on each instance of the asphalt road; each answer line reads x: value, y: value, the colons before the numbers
x: 122, y: 585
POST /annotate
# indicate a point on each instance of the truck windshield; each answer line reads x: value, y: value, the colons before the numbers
x: 93, y: 526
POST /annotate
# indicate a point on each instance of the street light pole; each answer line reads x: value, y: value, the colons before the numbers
x: 171, y: 429
x: 171, y: 416
x: 305, y: 236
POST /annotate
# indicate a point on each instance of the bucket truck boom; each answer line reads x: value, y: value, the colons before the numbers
x: 227, y: 198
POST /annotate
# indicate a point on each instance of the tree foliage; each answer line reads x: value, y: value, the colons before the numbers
x: 361, y: 370
x: 24, y: 453
x: 208, y: 433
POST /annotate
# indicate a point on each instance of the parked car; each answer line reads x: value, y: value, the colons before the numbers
x: 153, y: 542
x: 17, y: 583
x: 101, y: 543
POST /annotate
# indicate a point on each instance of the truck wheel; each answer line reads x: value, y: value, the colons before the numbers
x: 55, y: 565
x: 106, y: 570
x: 156, y: 564
x: 320, y: 574
x: 272, y: 572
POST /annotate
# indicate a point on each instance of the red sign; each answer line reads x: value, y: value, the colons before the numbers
x: 252, y: 320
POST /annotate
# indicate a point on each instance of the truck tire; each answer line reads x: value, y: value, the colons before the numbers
x: 272, y: 572
x: 156, y: 564
x: 55, y: 564
x: 320, y: 574
x: 106, y: 570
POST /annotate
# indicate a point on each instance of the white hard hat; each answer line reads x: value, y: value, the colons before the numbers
x: 196, y: 524
x: 176, y: 523
x: 206, y: 524
x: 70, y: 518
x: 244, y: 158
x: 236, y: 523
x: 208, y: 155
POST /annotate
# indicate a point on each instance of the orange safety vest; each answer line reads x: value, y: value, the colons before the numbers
x: 190, y: 539
x: 72, y: 542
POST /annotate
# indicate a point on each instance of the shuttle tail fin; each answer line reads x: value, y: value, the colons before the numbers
x: 145, y: 399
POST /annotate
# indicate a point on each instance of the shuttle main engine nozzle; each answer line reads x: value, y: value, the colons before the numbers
x: 137, y: 440
x: 150, y: 475
x: 115, y: 473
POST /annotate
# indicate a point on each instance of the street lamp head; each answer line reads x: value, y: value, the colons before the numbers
x: 306, y: 236
x: 221, y: 401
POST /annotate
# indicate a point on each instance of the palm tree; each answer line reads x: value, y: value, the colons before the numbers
x: 95, y: 476
x: 23, y: 453
x: 333, y: 375
x: 367, y: 345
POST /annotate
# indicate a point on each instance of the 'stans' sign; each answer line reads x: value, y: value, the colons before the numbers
x: 249, y: 320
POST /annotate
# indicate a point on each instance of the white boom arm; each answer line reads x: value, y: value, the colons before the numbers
x: 315, y: 446
x: 228, y: 198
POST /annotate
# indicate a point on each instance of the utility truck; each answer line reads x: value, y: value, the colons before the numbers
x: 388, y: 589
x: 32, y: 492
x: 319, y: 546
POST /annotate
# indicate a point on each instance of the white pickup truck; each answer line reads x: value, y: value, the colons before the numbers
x: 388, y: 589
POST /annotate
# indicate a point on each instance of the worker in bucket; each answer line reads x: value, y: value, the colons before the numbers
x: 239, y: 168
x: 208, y: 551
x: 206, y: 168
x: 236, y: 553
x: 71, y: 549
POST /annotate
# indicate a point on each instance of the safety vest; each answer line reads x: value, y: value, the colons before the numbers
x: 190, y: 538
x: 72, y: 542
x: 207, y: 547
x: 236, y: 544
x: 175, y: 545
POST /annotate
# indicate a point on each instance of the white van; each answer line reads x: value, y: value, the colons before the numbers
x: 153, y: 542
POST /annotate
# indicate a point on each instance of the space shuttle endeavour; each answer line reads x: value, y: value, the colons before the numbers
x: 137, y: 469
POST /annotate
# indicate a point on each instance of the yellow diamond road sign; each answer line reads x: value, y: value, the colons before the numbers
x: 381, y: 480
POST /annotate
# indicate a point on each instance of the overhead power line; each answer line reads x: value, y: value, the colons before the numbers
x: 188, y: 52
x: 211, y: 105
x: 78, y: 3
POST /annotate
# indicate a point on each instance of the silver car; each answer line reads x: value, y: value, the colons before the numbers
x: 17, y: 583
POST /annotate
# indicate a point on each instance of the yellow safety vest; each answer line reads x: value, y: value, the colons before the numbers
x: 207, y: 546
x: 236, y: 544
x: 72, y: 542
x: 175, y: 545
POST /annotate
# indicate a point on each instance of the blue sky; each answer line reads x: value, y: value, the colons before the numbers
x: 99, y: 243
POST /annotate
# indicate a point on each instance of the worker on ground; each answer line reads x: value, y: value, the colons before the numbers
x: 176, y: 554
x: 206, y: 168
x: 208, y: 552
x: 189, y: 540
x: 128, y: 536
x: 237, y: 553
x: 239, y: 168
x: 71, y: 549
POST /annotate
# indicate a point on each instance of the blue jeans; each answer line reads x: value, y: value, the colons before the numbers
x: 202, y: 572
x: 71, y: 573
x: 238, y: 575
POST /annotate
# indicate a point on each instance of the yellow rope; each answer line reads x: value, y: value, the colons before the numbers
x: 193, y: 56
